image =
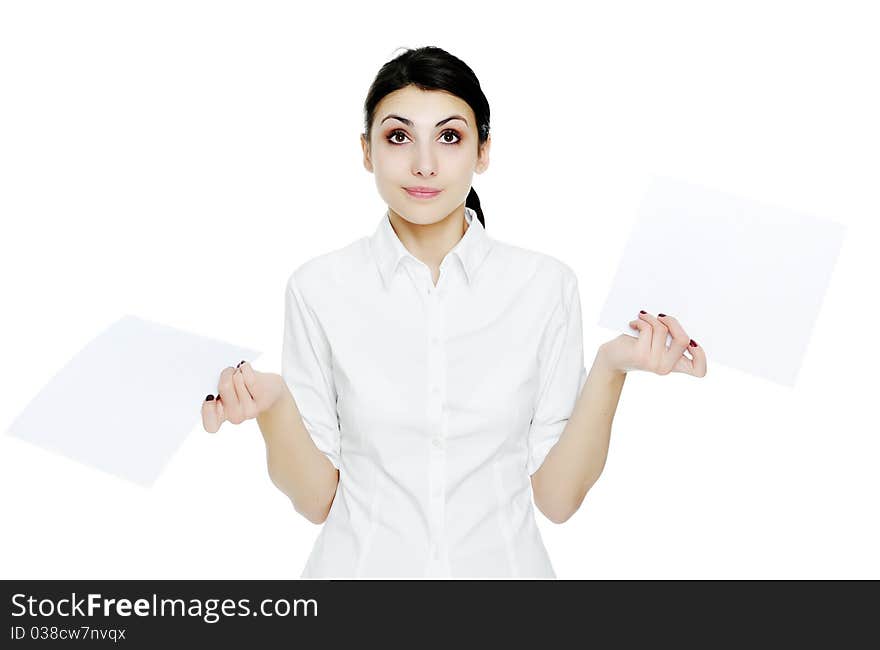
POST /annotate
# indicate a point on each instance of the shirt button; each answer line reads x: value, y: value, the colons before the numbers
x: 437, y: 442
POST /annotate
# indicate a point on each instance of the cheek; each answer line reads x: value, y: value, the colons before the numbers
x: 388, y: 165
x: 461, y: 156
x: 460, y: 165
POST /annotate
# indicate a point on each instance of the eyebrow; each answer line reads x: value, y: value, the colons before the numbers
x: 409, y: 122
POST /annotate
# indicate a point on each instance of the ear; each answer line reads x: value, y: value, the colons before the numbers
x: 365, y: 147
x: 483, y: 157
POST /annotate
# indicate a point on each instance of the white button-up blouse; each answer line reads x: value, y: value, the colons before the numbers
x: 436, y: 403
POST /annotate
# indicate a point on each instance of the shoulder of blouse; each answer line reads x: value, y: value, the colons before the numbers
x: 557, y: 273
x: 315, y: 272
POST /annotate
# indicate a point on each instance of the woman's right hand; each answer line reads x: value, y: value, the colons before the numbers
x: 244, y: 394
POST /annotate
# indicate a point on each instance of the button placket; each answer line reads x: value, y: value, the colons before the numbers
x: 436, y: 357
x: 435, y: 417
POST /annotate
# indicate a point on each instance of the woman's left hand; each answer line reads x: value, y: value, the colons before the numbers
x: 649, y: 351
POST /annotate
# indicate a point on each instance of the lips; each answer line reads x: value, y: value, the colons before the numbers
x: 422, y: 192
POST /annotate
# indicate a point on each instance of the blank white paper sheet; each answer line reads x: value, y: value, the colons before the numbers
x: 86, y: 411
x: 746, y: 280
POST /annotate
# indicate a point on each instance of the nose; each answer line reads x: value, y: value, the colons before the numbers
x: 425, y: 163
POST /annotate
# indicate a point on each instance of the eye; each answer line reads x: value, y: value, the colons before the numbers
x: 398, y: 132
x: 393, y: 134
x: 453, y: 133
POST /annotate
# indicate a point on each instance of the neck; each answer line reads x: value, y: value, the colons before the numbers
x: 430, y: 242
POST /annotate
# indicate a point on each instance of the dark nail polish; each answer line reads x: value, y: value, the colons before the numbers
x: 242, y: 361
x: 661, y: 314
x: 239, y: 363
x: 643, y: 311
x: 209, y: 398
x: 693, y: 343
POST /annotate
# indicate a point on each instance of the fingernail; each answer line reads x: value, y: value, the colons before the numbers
x: 693, y: 343
x: 643, y: 312
x: 661, y: 314
x: 242, y: 362
x: 239, y: 363
x: 209, y: 398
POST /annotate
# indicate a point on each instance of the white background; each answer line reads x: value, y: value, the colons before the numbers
x: 177, y: 160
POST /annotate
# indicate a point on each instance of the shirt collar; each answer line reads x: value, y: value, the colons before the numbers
x: 388, y: 250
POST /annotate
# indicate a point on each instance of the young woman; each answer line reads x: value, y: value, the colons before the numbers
x: 433, y: 385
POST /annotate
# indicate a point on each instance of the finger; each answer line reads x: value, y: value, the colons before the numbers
x: 679, y: 344
x: 643, y: 346
x: 699, y: 364
x: 210, y: 420
x: 221, y: 410
x: 228, y: 396
x: 658, y: 340
x: 241, y: 389
x: 245, y: 399
x: 249, y: 375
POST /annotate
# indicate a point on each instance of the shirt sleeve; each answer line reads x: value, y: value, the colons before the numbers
x: 561, y: 373
x: 307, y: 371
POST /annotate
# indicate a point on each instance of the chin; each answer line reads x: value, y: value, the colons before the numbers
x: 423, y: 215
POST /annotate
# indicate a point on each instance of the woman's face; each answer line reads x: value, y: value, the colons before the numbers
x: 421, y: 147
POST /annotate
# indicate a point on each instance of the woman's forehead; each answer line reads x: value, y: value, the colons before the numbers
x: 423, y: 106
